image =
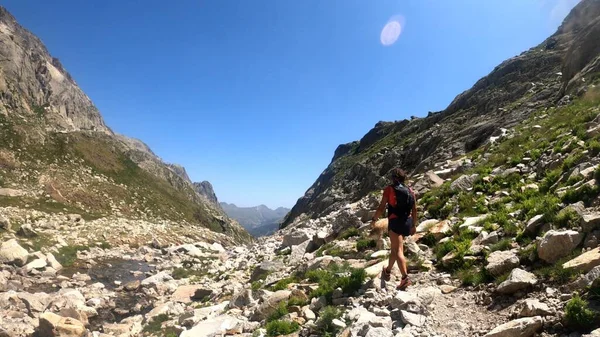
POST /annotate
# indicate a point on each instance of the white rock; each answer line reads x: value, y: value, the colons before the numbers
x: 532, y: 307
x: 518, y: 279
x: 412, y: 319
x: 558, y: 244
x: 500, y: 262
x: 12, y: 252
x: 522, y: 327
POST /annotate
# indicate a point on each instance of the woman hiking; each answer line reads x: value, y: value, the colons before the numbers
x: 402, y: 221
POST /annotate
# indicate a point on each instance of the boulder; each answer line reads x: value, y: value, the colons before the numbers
x: 241, y: 299
x: 11, y: 252
x: 589, y: 222
x: 471, y: 221
x: 425, y: 226
x: 52, y: 262
x: 441, y: 229
x: 35, y: 264
x: 52, y: 325
x: 294, y: 238
x: 264, y: 269
x: 215, y: 326
x: 500, y: 262
x: 345, y: 220
x: 533, y: 224
x: 157, y: 279
x: 532, y: 307
x: 379, y: 332
x: 4, y: 223
x: 464, y: 182
x: 412, y: 318
x: 27, y: 231
x: 587, y: 280
x: 187, y: 293
x: 584, y: 262
x: 518, y: 279
x: 9, y: 192
x: 270, y: 304
x: 522, y: 327
x: 298, y: 252
x: 558, y: 244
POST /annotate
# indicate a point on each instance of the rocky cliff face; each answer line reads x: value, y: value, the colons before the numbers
x: 32, y: 81
x: 57, y: 154
x: 555, y: 70
x: 206, y: 190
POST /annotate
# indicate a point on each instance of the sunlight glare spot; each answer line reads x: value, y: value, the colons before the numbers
x: 391, y: 32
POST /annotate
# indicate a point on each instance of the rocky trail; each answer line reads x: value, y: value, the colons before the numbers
x: 205, y: 289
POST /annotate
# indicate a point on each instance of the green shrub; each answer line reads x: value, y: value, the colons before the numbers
x: 473, y: 276
x: 503, y: 244
x: 578, y: 314
x: 278, y: 328
x: 556, y: 273
x: 155, y: 325
x: 567, y: 218
x: 350, y: 280
x: 352, y: 232
x: 256, y: 285
x: 571, y: 161
x: 296, y: 301
x: 283, y: 283
x: 585, y: 193
x: 181, y: 273
x: 364, y: 244
x: 442, y: 249
x: 279, y: 312
x: 325, y: 321
x: 528, y: 255
x: 428, y: 240
x: 67, y: 255
x: 550, y: 179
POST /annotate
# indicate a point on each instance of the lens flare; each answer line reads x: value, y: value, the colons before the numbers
x: 391, y: 31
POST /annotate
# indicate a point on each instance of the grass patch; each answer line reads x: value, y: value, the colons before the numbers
x: 155, y: 325
x: 473, y: 276
x: 364, y: 244
x: 350, y: 280
x: 504, y: 244
x: 279, y: 312
x: 324, y: 324
x: 579, y: 316
x: 278, y: 328
x: 182, y: 272
x: 567, y: 218
x: 283, y: 283
x: 349, y: 233
x: 67, y: 255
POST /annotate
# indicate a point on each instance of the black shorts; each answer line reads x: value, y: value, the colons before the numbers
x: 400, y: 227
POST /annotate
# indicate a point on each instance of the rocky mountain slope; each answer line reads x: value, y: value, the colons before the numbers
x: 557, y: 69
x: 507, y: 245
x: 58, y: 156
x: 259, y: 220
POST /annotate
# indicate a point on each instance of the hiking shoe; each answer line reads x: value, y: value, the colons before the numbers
x: 404, y: 283
x: 385, y: 274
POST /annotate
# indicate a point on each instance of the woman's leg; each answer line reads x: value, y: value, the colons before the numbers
x: 395, y: 243
x: 400, y: 256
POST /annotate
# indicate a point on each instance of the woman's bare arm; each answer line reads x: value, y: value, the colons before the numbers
x: 381, y: 207
x: 414, y: 211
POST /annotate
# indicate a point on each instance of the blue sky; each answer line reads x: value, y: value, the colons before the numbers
x: 255, y: 96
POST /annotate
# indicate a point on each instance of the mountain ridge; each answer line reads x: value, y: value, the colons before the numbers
x: 52, y: 133
x: 257, y: 220
x: 507, y: 95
